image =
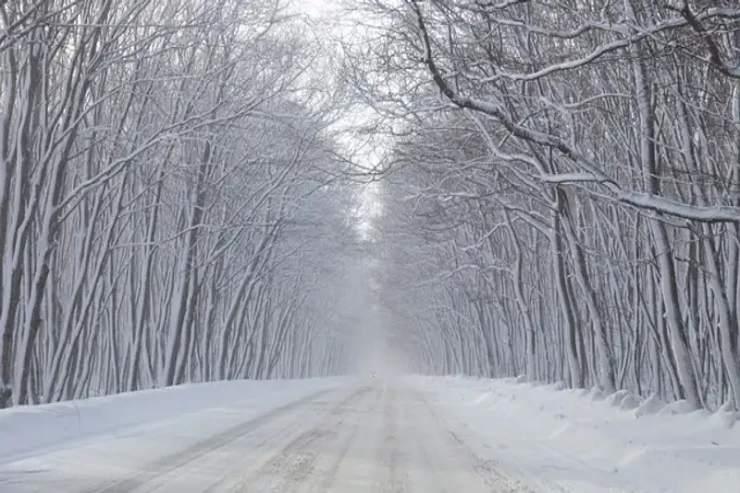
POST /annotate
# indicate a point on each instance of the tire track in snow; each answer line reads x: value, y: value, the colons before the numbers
x: 167, y: 464
x: 350, y: 464
x: 294, y: 465
x: 389, y: 454
x: 487, y: 471
x: 330, y: 476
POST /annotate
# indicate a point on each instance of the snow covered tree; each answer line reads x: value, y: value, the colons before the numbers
x: 573, y: 169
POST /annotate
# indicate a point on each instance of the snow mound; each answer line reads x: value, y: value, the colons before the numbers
x: 623, y: 400
x: 725, y: 417
x: 678, y: 407
x: 579, y: 441
x: 595, y: 394
x: 559, y: 386
x: 629, y: 402
x: 28, y: 430
x: 650, y: 406
x: 615, y: 400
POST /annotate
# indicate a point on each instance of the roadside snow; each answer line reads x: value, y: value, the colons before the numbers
x: 551, y: 439
x: 31, y: 430
x: 577, y: 441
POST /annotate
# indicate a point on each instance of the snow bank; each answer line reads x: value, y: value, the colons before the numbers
x: 580, y: 441
x: 30, y: 430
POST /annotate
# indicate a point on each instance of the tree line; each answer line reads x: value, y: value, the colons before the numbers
x: 168, y: 197
x: 563, y: 189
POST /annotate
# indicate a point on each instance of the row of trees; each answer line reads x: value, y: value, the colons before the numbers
x: 167, y: 197
x: 563, y: 190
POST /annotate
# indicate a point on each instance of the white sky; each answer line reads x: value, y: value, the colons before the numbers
x: 371, y: 342
x: 363, y: 151
x: 316, y: 8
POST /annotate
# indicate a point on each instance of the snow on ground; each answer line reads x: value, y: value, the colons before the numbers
x: 29, y: 430
x: 362, y: 436
x: 416, y: 434
x: 574, y: 441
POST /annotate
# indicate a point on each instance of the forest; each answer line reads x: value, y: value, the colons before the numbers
x: 556, y: 193
x: 168, y: 197
x: 563, y: 191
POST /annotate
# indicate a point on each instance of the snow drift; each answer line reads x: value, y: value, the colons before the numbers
x: 33, y: 429
x: 579, y: 441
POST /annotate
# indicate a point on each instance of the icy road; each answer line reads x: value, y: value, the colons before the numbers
x: 364, y: 437
x: 417, y: 434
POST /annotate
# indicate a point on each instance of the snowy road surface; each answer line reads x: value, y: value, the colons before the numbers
x: 363, y: 437
x: 417, y: 434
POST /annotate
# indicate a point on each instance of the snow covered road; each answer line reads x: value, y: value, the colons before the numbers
x: 416, y: 435
x: 354, y: 437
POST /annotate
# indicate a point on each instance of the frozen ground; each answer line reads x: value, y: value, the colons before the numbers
x: 577, y: 442
x: 419, y: 434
